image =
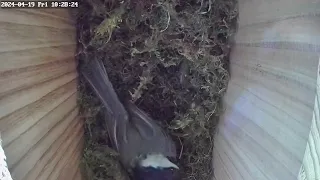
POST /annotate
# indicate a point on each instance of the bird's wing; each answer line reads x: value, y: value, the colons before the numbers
x: 145, y: 125
x: 150, y: 130
x: 116, y: 115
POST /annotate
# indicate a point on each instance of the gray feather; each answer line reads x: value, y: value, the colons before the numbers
x: 132, y: 131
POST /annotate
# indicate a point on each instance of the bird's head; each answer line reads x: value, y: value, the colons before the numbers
x: 155, y: 167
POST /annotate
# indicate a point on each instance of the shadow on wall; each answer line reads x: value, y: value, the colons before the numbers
x: 270, y: 99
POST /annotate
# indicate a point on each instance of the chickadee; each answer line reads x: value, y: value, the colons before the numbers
x: 145, y: 149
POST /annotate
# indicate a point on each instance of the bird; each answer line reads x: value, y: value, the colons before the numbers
x: 145, y: 150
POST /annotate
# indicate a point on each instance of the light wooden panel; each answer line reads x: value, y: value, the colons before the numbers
x: 310, y: 168
x: 30, y: 159
x: 290, y: 34
x: 40, y: 129
x: 78, y: 175
x: 68, y: 171
x: 72, y: 152
x: 32, y: 18
x: 61, y: 14
x: 264, y: 130
x: 26, y: 117
x: 39, y: 122
x: 56, y: 151
x: 259, y: 11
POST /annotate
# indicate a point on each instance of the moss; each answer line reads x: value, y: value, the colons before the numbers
x: 169, y: 57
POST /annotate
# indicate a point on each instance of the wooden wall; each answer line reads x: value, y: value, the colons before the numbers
x: 310, y: 169
x: 39, y: 123
x: 270, y: 99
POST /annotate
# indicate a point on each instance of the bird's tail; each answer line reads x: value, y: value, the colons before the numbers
x: 116, y: 115
x: 95, y: 73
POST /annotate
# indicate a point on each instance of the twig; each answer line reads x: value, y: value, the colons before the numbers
x: 168, y: 21
x: 209, y: 8
x: 180, y: 155
x: 200, y: 6
x: 169, y: 17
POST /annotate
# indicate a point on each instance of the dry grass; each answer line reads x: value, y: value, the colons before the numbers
x: 171, y: 58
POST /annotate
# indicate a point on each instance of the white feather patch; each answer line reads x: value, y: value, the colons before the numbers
x: 157, y: 161
x: 4, y: 172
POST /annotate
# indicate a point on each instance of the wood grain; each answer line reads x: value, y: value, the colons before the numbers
x: 70, y: 154
x: 72, y: 165
x: 60, y: 14
x: 36, y: 132
x: 310, y: 169
x: 27, y: 77
x: 55, y: 151
x: 29, y: 160
x: 23, y: 119
x: 53, y: 166
x: 263, y: 133
x: 39, y: 119
x: 297, y: 31
x: 19, y: 99
x: 259, y: 11
x: 34, y: 57
x: 78, y: 175
x: 32, y: 18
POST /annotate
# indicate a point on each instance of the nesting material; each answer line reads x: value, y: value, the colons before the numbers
x: 171, y: 59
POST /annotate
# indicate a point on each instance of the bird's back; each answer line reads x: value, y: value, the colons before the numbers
x: 132, y: 132
x: 145, y: 136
